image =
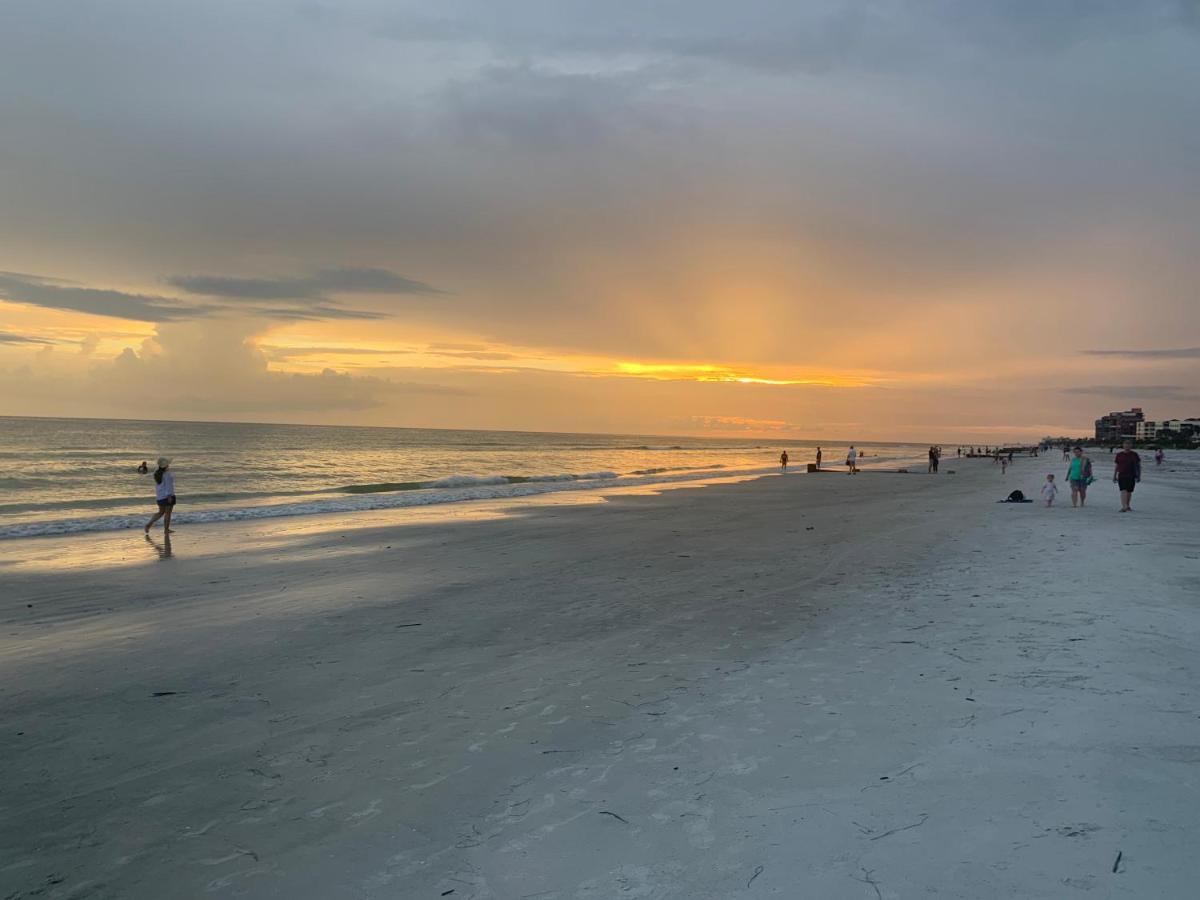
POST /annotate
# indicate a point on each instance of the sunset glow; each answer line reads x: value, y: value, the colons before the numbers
x: 635, y: 236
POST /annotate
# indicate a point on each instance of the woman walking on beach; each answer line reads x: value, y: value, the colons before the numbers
x: 1079, y: 476
x: 852, y: 461
x: 164, y: 494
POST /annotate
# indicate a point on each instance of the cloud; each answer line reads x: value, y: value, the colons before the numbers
x: 8, y: 337
x: 889, y: 186
x: 784, y: 36
x: 56, y: 294
x: 285, y: 353
x: 738, y: 423
x: 1161, y: 353
x: 211, y: 368
x: 1138, y: 392
x: 312, y: 287
x: 53, y: 293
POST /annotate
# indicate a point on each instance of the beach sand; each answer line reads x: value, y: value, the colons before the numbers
x: 821, y: 686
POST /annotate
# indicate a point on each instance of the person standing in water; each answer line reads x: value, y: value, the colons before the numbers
x: 164, y: 495
x: 1127, y: 473
x: 783, y: 459
x: 852, y: 461
x: 143, y: 468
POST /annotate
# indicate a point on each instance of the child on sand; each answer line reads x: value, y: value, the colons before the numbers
x: 1049, y: 490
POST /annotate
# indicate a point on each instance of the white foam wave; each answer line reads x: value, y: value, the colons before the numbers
x: 462, y: 489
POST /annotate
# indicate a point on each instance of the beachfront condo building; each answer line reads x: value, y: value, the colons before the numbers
x: 1147, y: 430
x: 1117, y: 425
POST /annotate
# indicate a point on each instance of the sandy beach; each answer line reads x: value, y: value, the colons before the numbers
x: 883, y: 686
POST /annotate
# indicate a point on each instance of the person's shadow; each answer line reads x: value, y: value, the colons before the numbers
x: 163, y: 549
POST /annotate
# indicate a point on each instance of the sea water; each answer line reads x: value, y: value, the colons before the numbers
x: 65, y: 475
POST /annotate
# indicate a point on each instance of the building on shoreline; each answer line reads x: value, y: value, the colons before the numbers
x: 1117, y: 426
x: 1148, y: 430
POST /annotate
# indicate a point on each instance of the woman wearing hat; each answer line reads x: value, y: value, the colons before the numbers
x: 164, y: 493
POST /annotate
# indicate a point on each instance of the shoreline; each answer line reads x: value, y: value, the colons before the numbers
x: 776, y: 686
x: 472, y: 489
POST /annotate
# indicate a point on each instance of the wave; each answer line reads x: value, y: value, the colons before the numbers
x: 662, y: 469
x: 459, y: 481
x: 462, y: 489
x: 139, y: 500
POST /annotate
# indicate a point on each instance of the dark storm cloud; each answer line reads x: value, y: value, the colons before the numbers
x: 1163, y: 353
x: 315, y: 287
x: 51, y: 293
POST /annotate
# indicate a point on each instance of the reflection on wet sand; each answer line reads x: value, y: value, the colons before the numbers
x: 163, y: 547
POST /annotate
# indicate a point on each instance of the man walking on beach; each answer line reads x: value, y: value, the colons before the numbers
x: 852, y: 461
x: 1127, y: 473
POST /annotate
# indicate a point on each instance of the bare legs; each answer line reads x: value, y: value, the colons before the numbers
x: 165, y: 515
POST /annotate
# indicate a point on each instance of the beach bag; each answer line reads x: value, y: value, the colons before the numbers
x: 1087, y: 470
x: 1016, y: 497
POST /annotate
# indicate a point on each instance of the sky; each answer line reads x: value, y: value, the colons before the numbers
x: 873, y: 220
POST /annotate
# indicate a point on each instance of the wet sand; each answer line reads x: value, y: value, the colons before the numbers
x: 872, y: 687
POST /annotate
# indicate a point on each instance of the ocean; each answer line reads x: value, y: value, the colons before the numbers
x: 59, y: 476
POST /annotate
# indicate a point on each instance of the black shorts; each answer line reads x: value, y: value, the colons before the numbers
x: 1126, y: 483
x: 166, y: 503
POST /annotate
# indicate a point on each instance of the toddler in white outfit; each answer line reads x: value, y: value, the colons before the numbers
x: 1049, y: 490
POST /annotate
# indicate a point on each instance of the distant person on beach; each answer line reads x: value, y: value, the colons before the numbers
x: 1159, y: 456
x: 143, y: 468
x: 1003, y: 463
x: 933, y: 460
x: 818, y: 457
x: 783, y: 459
x: 852, y: 461
x: 164, y: 495
x: 1066, y: 453
x: 1127, y: 473
x: 1049, y: 490
x: 1079, y: 476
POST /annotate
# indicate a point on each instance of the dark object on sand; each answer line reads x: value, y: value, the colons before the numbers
x: 1117, y: 861
x: 1015, y: 497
